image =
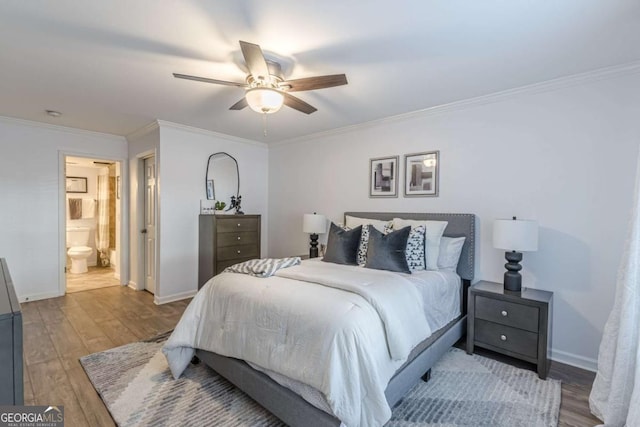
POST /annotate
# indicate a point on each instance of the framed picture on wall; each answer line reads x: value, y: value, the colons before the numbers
x: 421, y: 174
x: 383, y: 176
x: 76, y: 184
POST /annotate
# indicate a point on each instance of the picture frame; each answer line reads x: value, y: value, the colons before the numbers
x: 422, y: 174
x: 76, y: 184
x: 383, y: 176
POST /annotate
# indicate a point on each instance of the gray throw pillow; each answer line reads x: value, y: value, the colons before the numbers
x: 342, y: 245
x: 387, y: 251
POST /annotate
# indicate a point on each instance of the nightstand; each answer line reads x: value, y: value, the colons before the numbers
x: 516, y: 324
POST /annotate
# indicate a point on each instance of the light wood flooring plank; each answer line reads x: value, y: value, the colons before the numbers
x: 52, y: 387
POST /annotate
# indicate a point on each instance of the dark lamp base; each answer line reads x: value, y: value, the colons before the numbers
x: 512, y: 277
x: 313, y: 250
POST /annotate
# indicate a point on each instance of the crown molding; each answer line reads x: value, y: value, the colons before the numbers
x: 60, y: 128
x: 191, y: 129
x: 532, y: 89
x: 144, y: 130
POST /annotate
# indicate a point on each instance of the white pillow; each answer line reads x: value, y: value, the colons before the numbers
x: 434, y: 232
x: 450, y: 250
x: 354, y: 221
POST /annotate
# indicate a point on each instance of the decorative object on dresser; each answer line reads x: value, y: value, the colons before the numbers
x: 518, y: 325
x: 383, y: 177
x: 515, y: 236
x: 225, y: 240
x: 314, y: 224
x: 421, y: 174
x: 11, y: 374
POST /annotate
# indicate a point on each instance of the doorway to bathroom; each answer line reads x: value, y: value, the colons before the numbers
x: 93, y: 223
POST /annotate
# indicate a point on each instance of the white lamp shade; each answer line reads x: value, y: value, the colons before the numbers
x: 515, y: 235
x: 264, y: 100
x: 314, y: 224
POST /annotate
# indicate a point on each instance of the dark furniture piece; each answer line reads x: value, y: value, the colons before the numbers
x: 294, y: 410
x: 226, y: 240
x: 11, y: 377
x: 517, y: 324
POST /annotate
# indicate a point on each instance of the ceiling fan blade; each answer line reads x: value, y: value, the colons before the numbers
x: 311, y: 83
x: 254, y: 58
x: 206, y: 80
x: 298, y: 104
x: 240, y: 104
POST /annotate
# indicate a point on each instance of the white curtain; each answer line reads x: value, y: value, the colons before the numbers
x: 615, y: 396
x: 102, y: 230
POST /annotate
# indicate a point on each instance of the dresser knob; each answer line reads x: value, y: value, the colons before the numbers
x: 504, y: 313
x: 238, y: 237
x: 503, y: 337
x: 238, y: 224
x: 238, y: 251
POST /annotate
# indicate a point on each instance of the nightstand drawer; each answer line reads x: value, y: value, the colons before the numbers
x: 238, y: 238
x: 237, y: 252
x: 507, y: 338
x: 507, y: 313
x: 228, y: 225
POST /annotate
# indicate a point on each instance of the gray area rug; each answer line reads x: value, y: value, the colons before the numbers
x: 136, y: 386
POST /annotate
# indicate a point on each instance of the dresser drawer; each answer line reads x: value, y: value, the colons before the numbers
x: 507, y: 338
x: 237, y: 252
x: 507, y: 313
x: 221, y: 265
x: 230, y: 225
x: 237, y: 238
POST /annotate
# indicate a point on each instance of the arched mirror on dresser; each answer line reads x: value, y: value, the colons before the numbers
x: 222, y: 179
x: 228, y: 237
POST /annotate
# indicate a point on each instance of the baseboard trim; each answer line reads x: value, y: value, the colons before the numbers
x: 581, y: 362
x: 175, y: 297
x: 36, y: 297
x: 133, y: 285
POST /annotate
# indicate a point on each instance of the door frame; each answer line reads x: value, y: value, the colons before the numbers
x: 123, y: 256
x: 137, y: 200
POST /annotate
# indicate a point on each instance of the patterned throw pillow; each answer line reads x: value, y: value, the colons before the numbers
x: 415, y: 252
x: 361, y: 256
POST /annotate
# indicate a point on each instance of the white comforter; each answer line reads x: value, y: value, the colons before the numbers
x: 328, y: 337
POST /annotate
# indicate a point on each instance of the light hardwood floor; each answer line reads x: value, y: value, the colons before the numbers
x: 58, y: 331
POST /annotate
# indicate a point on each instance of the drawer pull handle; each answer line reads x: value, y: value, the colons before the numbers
x: 238, y: 237
x: 504, y: 313
x: 238, y: 250
x: 503, y: 337
x: 238, y: 224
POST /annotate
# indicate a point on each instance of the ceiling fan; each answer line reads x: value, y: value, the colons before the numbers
x: 266, y: 88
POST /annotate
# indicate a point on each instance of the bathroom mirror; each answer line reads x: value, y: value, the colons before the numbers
x: 222, y: 180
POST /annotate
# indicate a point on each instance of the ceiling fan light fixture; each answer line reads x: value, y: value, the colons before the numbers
x: 264, y: 100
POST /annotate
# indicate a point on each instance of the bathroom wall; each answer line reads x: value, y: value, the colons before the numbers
x: 92, y: 193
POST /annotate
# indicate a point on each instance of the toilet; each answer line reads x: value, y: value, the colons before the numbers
x: 77, y: 241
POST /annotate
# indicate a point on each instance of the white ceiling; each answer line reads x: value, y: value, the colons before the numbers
x: 106, y: 65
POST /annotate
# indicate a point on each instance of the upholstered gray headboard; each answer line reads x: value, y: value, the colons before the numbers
x: 458, y: 225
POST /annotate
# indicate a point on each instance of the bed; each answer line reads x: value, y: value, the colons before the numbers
x: 294, y: 410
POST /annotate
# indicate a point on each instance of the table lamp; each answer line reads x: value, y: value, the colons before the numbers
x: 514, y: 236
x: 314, y: 224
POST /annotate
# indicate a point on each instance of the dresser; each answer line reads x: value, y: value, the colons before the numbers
x: 517, y: 324
x: 226, y: 240
x: 11, y: 375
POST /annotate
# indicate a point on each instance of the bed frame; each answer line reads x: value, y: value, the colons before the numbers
x: 294, y: 410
